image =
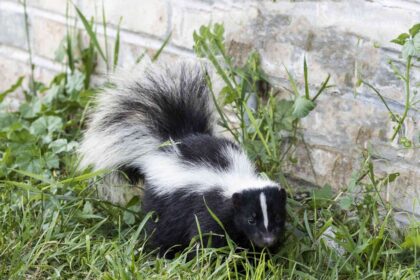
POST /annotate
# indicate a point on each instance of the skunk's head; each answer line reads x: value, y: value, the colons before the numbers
x: 260, y: 214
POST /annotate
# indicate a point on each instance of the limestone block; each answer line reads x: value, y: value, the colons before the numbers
x: 146, y: 16
x: 12, y: 29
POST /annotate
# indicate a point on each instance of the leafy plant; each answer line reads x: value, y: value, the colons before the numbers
x: 268, y: 130
x: 41, y: 136
x: 410, y: 51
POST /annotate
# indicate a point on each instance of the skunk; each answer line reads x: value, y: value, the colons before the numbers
x: 159, y: 127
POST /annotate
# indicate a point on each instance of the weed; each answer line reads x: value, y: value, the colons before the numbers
x: 410, y: 43
x: 269, y: 129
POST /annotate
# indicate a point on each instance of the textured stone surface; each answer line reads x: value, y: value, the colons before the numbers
x: 46, y: 36
x: 337, y: 37
x: 147, y: 16
x: 186, y: 19
x: 12, y: 32
x: 11, y: 69
x: 57, y: 6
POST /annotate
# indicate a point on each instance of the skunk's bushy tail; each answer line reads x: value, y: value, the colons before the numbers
x: 137, y: 114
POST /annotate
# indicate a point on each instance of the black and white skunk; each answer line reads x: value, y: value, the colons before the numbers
x: 196, y: 172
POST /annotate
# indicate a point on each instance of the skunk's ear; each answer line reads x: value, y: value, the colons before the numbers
x: 236, y: 200
x: 283, y: 196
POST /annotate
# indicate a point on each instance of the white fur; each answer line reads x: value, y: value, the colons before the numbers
x: 169, y: 174
x: 100, y: 149
x: 263, y: 203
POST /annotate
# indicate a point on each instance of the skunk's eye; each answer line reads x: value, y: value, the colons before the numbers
x: 251, y: 220
x: 277, y: 219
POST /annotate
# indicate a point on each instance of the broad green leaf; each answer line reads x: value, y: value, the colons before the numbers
x: 393, y: 176
x: 7, y: 158
x: 60, y: 52
x: 71, y: 146
x: 408, y: 49
x: 20, y: 136
x: 227, y: 95
x: 411, y: 240
x: 346, y: 202
x: 283, y: 118
x: 30, y: 110
x: 400, y: 40
x: 61, y: 145
x: 28, y: 159
x: 75, y: 83
x: 414, y: 30
x: 416, y: 42
x: 406, y: 142
x: 323, y: 193
x: 46, y: 125
x: 58, y: 146
x: 52, y: 93
x: 322, y: 197
x: 134, y: 206
x: 129, y: 218
x: 302, y: 107
x: 51, y: 160
x: 6, y: 120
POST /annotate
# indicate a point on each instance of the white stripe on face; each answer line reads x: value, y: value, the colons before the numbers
x: 263, y: 203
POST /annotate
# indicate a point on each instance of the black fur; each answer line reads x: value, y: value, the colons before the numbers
x: 133, y: 174
x: 173, y: 104
x: 177, y: 214
x: 204, y: 149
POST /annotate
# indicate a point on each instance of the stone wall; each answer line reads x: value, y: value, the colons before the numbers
x: 336, y: 36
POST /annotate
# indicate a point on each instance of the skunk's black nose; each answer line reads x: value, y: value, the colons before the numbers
x: 268, y: 240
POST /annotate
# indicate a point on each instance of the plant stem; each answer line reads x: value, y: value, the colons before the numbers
x: 382, y: 99
x: 407, y: 98
x: 28, y: 42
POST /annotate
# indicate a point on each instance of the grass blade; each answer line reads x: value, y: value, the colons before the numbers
x: 322, y: 88
x: 305, y: 74
x: 140, y: 58
x: 84, y: 177
x: 157, y: 54
x: 382, y: 99
x: 117, y: 45
x: 32, y: 175
x: 69, y: 52
x: 11, y: 89
x: 256, y: 126
x: 292, y: 82
x: 91, y: 33
x: 105, y: 35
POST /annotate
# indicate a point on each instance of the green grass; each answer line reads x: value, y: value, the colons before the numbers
x: 53, y: 225
x: 58, y: 229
